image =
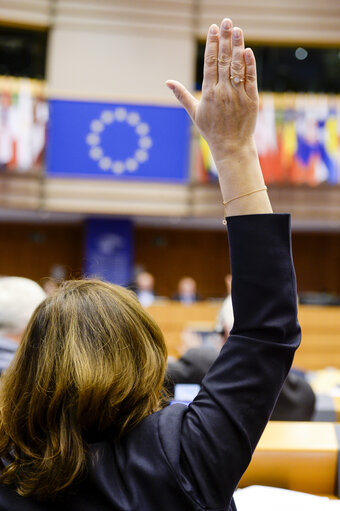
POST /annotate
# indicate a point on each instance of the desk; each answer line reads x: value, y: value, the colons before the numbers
x: 301, y: 456
x: 320, y: 329
x: 320, y: 345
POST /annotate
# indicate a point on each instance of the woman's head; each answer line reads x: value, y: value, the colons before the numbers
x: 91, y: 360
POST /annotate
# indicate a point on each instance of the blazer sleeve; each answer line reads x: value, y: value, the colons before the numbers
x: 219, y: 431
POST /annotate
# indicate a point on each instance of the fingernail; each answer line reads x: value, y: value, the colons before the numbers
x: 237, y: 33
x: 248, y: 54
x: 170, y: 85
x: 213, y: 29
x: 226, y: 24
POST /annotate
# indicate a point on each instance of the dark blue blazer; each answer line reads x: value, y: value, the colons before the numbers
x: 192, y: 458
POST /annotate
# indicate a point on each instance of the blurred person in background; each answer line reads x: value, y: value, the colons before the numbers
x: 145, y: 284
x: 19, y: 297
x: 296, y: 401
x: 187, y: 291
x: 50, y: 285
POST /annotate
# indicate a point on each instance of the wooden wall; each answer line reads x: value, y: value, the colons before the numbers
x: 170, y: 254
x: 30, y: 250
x: 317, y: 261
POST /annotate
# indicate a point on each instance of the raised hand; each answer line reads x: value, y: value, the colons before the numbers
x: 226, y: 113
x: 226, y: 117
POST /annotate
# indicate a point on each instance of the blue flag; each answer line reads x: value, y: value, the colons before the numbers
x: 119, y: 141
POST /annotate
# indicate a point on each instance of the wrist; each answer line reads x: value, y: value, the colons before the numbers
x: 239, y: 172
x: 227, y: 152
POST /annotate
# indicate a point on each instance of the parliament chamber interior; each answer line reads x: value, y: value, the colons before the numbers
x: 103, y: 175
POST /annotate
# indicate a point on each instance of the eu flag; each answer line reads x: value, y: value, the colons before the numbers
x: 118, y: 141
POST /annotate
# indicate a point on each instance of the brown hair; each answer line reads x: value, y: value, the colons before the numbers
x: 91, y: 360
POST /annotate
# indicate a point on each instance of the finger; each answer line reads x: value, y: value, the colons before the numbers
x: 237, y: 67
x: 224, y: 51
x: 210, y: 69
x: 250, y: 84
x: 186, y: 99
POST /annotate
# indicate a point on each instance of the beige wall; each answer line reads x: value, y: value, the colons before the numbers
x: 276, y: 20
x: 128, y: 48
x: 26, y: 12
x: 121, y: 48
x: 117, y: 64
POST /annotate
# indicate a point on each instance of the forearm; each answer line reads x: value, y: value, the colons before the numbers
x: 240, y: 173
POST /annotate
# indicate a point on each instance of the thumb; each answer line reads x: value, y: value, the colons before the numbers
x: 186, y: 99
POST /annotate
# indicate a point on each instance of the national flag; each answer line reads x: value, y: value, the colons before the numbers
x: 209, y: 166
x: 118, y: 141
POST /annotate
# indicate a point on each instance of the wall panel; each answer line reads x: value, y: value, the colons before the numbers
x: 169, y: 253
x: 172, y: 254
x: 275, y: 20
x: 121, y: 48
x: 317, y: 261
x: 30, y: 250
x: 26, y: 12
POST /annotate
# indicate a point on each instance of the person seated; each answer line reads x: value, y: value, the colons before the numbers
x: 145, y: 284
x: 187, y: 291
x: 296, y: 401
x: 19, y: 297
x: 82, y: 425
